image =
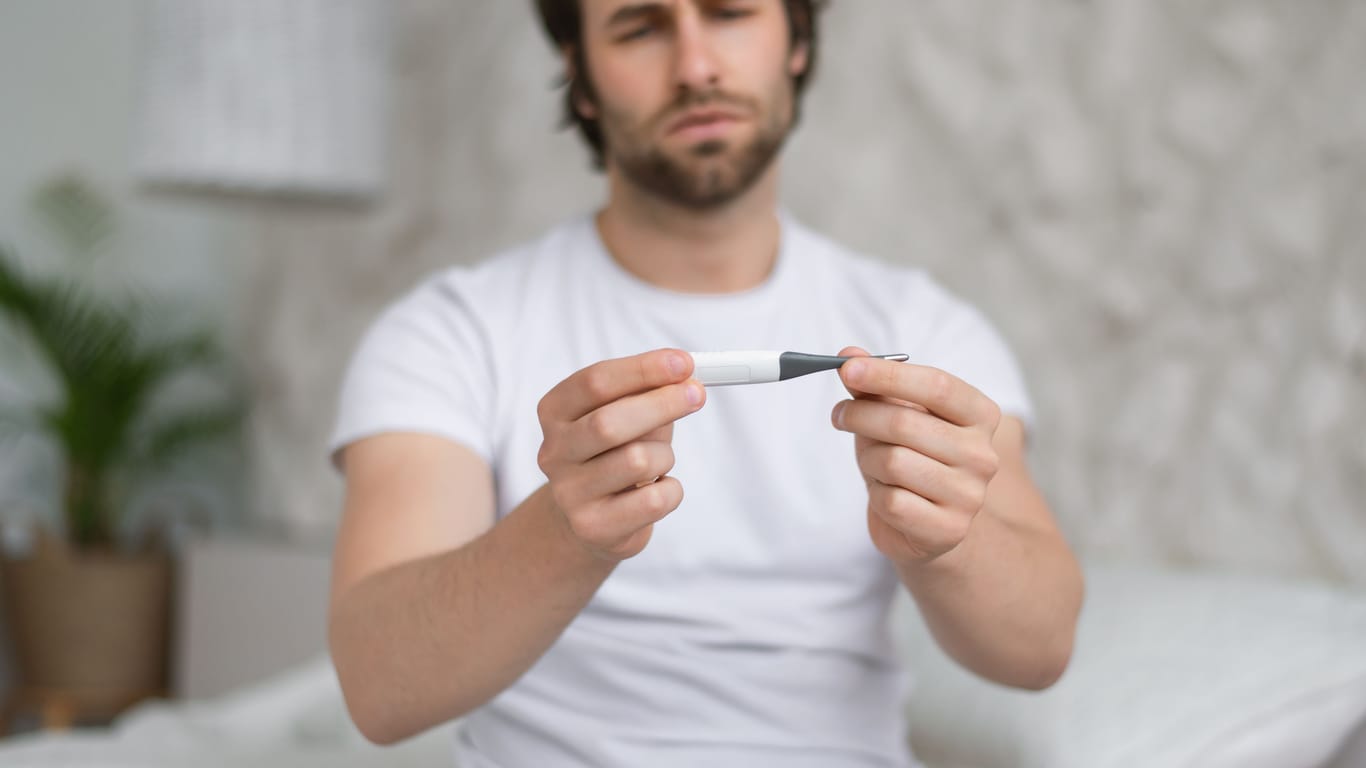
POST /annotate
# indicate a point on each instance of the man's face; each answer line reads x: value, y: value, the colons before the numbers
x: 694, y: 97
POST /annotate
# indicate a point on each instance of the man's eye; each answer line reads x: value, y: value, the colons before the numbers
x: 637, y: 33
x: 731, y: 13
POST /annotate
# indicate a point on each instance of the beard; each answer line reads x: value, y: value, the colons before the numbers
x: 705, y: 175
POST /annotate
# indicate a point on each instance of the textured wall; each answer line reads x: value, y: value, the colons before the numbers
x: 1160, y: 202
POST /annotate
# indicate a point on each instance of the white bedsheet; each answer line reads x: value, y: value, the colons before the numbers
x: 294, y: 719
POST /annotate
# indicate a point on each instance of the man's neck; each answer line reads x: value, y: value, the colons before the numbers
x: 725, y: 250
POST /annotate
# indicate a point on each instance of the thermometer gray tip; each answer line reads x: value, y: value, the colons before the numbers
x: 715, y: 369
x: 794, y: 364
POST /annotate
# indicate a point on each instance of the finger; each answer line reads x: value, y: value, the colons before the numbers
x: 622, y: 514
x: 619, y: 469
x: 601, y: 383
x: 661, y: 435
x: 630, y: 418
x: 857, y: 395
x: 942, y: 393
x: 899, y: 466
x: 664, y: 434
x: 916, y: 429
x: 928, y: 527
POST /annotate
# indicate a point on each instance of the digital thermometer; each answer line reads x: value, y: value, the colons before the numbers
x: 716, y: 369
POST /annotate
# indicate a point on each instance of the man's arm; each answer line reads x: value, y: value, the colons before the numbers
x: 1004, y: 602
x: 952, y: 506
x: 435, y: 609
x: 430, y: 617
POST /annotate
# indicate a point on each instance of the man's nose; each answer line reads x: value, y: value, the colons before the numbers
x: 696, y: 66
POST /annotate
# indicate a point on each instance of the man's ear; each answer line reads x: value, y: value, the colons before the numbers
x: 583, y: 105
x: 800, y: 58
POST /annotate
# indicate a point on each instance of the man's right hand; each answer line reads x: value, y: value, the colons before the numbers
x: 607, y: 447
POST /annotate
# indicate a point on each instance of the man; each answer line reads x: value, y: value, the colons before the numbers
x: 517, y: 548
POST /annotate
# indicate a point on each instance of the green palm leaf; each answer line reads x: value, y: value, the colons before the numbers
x: 171, y: 437
x: 75, y: 213
x: 108, y: 376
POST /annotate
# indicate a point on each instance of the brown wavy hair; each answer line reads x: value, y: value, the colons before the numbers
x: 561, y: 20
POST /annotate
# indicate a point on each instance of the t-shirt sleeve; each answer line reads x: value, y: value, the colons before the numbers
x: 963, y: 342
x: 424, y: 365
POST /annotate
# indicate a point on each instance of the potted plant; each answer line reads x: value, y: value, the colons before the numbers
x: 88, y: 606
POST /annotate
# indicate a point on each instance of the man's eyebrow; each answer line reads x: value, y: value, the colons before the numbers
x: 629, y: 13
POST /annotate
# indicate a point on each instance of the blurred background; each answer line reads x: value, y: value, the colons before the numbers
x: 1160, y: 203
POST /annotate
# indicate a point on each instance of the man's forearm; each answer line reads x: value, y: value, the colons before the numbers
x: 1004, y: 602
x: 430, y: 640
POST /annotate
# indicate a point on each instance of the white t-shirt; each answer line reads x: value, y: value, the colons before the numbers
x: 752, y: 630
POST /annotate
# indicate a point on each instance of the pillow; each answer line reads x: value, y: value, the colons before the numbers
x: 1170, y: 668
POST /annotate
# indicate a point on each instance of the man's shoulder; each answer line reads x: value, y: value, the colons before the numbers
x: 487, y: 292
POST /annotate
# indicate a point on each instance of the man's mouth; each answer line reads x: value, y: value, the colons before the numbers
x: 703, y: 124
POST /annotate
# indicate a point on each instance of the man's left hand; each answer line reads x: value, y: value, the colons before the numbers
x: 923, y: 441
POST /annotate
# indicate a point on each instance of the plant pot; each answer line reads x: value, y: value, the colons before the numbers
x: 88, y: 623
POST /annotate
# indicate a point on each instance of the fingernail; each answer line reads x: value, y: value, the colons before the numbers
x: 854, y: 370
x: 694, y: 394
x: 677, y: 365
x: 839, y: 414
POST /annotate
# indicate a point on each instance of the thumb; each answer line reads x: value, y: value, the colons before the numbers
x: 858, y: 395
x: 853, y: 352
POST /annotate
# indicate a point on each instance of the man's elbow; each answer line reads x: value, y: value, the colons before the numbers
x: 365, y: 712
x: 378, y: 722
x: 1035, y: 671
x: 1050, y: 662
x: 1054, y: 661
x: 1049, y: 668
x: 384, y: 714
x: 373, y: 728
x: 1043, y: 663
x: 370, y: 715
